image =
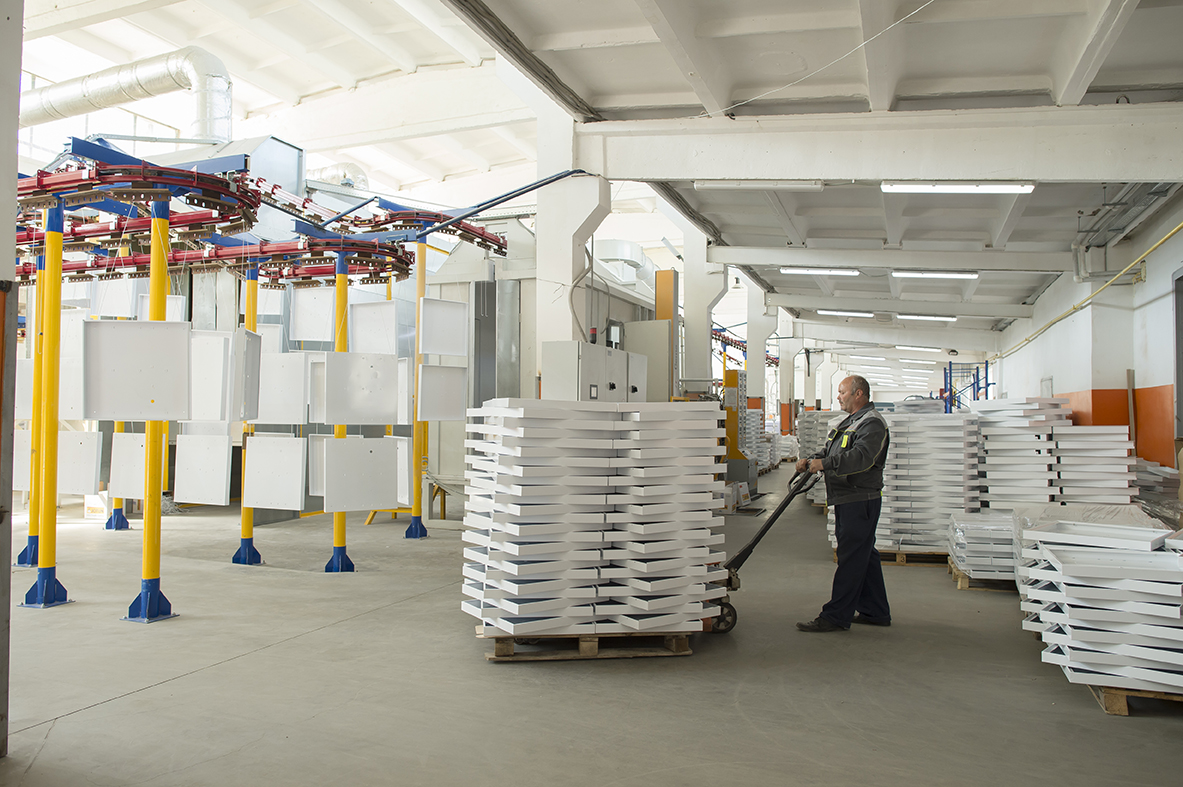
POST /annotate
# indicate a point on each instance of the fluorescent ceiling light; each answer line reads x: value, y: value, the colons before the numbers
x: 759, y: 185
x: 914, y: 379
x: 868, y: 357
x: 829, y: 313
x: 887, y: 385
x: 916, y: 360
x: 932, y: 275
x: 820, y: 271
x: 929, y: 317
x: 923, y: 371
x: 918, y: 349
x: 917, y: 187
x: 877, y: 368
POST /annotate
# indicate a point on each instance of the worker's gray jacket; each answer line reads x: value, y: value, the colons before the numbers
x: 854, y: 456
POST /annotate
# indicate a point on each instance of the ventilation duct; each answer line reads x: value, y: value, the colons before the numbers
x: 191, y: 68
x: 344, y: 174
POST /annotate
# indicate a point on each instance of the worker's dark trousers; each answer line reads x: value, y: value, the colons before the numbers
x: 858, y: 581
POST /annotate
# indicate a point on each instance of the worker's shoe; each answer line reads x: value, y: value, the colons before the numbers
x: 861, y: 618
x: 818, y: 625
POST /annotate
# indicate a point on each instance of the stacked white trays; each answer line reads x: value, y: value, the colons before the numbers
x: 930, y: 474
x: 1108, y: 600
x: 750, y: 443
x: 812, y: 428
x: 1153, y: 478
x: 1018, y: 464
x: 1094, y: 464
x: 592, y: 517
x: 982, y: 545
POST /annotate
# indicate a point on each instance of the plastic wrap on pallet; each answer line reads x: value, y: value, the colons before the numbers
x: 1166, y: 509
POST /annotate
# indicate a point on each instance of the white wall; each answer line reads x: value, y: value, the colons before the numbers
x: 1063, y: 352
x: 1153, y: 301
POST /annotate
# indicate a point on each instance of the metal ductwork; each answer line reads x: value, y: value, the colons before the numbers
x: 343, y: 174
x: 191, y: 68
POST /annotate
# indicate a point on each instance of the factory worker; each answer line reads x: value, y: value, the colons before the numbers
x: 853, y: 460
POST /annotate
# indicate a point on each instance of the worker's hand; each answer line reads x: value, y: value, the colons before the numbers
x: 801, y: 463
x: 815, y: 466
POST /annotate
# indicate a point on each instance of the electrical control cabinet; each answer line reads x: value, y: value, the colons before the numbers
x: 638, y: 371
x: 615, y: 375
x: 576, y: 372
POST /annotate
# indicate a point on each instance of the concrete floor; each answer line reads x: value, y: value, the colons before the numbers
x: 282, y: 675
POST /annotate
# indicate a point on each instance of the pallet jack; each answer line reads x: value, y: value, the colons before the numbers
x: 725, y: 621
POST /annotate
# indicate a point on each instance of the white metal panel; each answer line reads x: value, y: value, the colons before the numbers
x: 443, y: 327
x: 272, y: 337
x: 23, y: 405
x: 443, y: 392
x: 270, y: 301
x: 127, y: 465
x: 405, y: 482
x: 209, y: 362
x: 406, y: 402
x: 316, y: 388
x: 79, y: 456
x: 22, y: 450
x: 136, y: 371
x: 174, y: 308
x: 360, y: 388
x: 360, y: 474
x: 312, y: 314
x: 283, y: 389
x: 275, y: 468
x: 203, y: 469
x: 316, y: 463
x: 248, y: 349
x: 115, y: 298
x: 373, y: 327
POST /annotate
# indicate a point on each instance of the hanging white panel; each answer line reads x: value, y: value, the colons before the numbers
x: 360, y: 475
x: 316, y: 387
x: 275, y: 469
x: 174, y: 307
x: 127, y: 466
x: 316, y: 463
x: 272, y: 337
x: 360, y: 388
x: 248, y: 350
x: 373, y: 327
x: 22, y: 458
x: 270, y: 301
x: 22, y: 409
x: 79, y: 456
x: 115, y: 298
x: 209, y: 364
x: 312, y: 314
x: 283, y: 389
x: 70, y: 371
x: 406, y: 402
x: 136, y: 371
x: 443, y: 327
x: 203, y: 469
x: 443, y: 392
x: 405, y: 482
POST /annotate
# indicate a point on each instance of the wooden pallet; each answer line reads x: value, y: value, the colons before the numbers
x: 1115, y: 701
x: 908, y: 558
x: 966, y: 582
x: 572, y: 647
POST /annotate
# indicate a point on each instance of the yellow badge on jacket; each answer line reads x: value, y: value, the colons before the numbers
x: 845, y: 440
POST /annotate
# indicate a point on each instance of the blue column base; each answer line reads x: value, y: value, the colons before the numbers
x: 46, y: 591
x: 117, y: 521
x: 28, y: 556
x: 151, y: 605
x: 416, y: 528
x: 247, y: 555
x: 339, y: 562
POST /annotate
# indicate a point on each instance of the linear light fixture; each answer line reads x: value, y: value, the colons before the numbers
x: 916, y: 360
x: 924, y: 371
x: 877, y: 368
x: 929, y: 317
x: 887, y: 385
x: 921, y: 187
x: 933, y: 275
x: 759, y: 185
x: 868, y: 357
x: 918, y: 349
x: 820, y: 271
x: 828, y: 313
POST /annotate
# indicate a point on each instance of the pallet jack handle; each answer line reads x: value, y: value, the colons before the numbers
x: 801, y: 482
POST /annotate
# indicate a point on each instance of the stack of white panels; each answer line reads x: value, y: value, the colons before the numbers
x: 1093, y: 464
x: 982, y: 545
x: 812, y: 428
x: 1018, y: 464
x: 593, y: 517
x: 1109, y: 602
x: 920, y: 406
x: 1153, y: 478
x: 754, y: 429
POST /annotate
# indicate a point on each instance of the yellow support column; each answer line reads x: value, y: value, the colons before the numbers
x: 47, y: 591
x: 118, y: 518
x: 247, y: 555
x: 28, y: 556
x: 419, y: 433
x: 340, y: 561
x: 151, y: 605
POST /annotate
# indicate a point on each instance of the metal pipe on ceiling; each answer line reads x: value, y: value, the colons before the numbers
x: 191, y: 68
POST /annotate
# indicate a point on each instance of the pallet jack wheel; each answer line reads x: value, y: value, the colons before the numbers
x: 725, y: 621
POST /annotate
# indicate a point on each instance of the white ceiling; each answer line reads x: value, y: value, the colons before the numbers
x: 407, y: 89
